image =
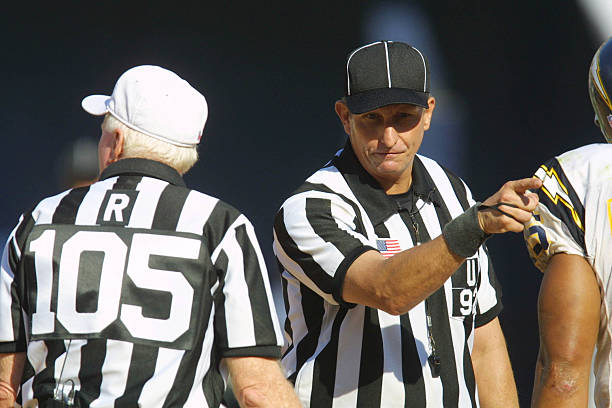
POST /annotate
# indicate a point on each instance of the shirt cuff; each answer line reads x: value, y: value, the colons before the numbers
x: 338, y: 282
x: 253, y: 351
x: 13, y: 347
x: 489, y: 315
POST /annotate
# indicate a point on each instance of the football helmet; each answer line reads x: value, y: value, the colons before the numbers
x: 600, y: 88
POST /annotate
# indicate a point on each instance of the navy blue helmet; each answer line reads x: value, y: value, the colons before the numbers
x: 600, y: 88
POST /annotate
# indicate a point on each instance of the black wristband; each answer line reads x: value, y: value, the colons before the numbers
x: 463, y: 234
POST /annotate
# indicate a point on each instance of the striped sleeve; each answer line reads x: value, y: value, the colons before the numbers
x: 316, y: 239
x: 12, y: 329
x: 245, y: 319
x: 489, y: 291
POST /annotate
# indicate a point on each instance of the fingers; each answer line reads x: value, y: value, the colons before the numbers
x: 499, y: 220
x: 512, y: 206
x: 519, y: 215
x: 522, y: 185
x: 530, y: 200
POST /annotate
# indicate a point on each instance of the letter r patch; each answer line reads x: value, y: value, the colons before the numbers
x: 117, y: 207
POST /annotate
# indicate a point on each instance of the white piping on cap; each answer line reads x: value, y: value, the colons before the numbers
x: 348, y: 61
x: 388, y: 68
x: 424, y: 69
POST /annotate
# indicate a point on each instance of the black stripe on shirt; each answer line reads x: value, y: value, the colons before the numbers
x: 127, y: 182
x: 169, y: 205
x: 324, y: 370
x: 221, y: 217
x: 313, y: 312
x: 371, y: 366
x: 358, y: 221
x: 260, y: 308
x: 141, y: 370
x: 319, y: 215
x: 468, y: 369
x: 44, y: 383
x: 212, y: 383
x: 412, y: 371
x: 444, y: 345
x: 219, y: 300
x: 93, y: 354
x: 306, y: 261
x: 67, y: 209
x: 185, y: 375
x: 288, y: 329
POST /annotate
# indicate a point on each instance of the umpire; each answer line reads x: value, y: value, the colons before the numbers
x: 390, y: 295
x: 137, y: 291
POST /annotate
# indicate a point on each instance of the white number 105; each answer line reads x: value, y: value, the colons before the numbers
x: 111, y: 278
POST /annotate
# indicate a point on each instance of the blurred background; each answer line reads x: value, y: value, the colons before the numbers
x: 510, y: 80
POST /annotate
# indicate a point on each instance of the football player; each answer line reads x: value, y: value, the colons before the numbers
x: 569, y: 238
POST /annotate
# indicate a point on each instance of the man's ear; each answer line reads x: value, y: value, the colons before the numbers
x: 118, y: 142
x: 343, y: 114
x: 427, y: 113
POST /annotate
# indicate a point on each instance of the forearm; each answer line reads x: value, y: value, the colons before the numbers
x: 11, y: 368
x: 568, y: 314
x: 423, y: 270
x: 403, y: 280
x: 274, y: 394
x: 496, y: 386
x: 492, y: 368
x: 259, y: 382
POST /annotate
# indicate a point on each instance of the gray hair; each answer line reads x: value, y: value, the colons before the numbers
x: 137, y: 144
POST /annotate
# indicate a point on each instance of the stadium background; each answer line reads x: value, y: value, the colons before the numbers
x: 510, y: 78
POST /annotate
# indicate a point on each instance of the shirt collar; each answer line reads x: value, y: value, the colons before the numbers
x: 377, y: 204
x: 143, y: 167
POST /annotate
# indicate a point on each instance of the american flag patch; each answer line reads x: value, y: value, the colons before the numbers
x: 388, y: 247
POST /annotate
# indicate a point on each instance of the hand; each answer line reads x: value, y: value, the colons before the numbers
x: 510, y: 217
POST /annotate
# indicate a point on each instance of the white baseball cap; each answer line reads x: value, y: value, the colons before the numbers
x: 156, y: 102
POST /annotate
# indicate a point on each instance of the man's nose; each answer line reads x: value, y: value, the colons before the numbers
x: 389, y: 136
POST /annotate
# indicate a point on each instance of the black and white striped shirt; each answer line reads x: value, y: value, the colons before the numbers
x: 345, y: 355
x: 131, y: 291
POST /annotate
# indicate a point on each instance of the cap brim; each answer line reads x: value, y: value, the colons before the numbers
x: 376, y: 98
x: 96, y: 104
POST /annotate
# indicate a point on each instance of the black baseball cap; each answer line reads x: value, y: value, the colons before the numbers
x: 384, y: 73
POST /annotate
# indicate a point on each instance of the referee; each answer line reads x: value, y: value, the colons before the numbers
x: 390, y: 295
x: 137, y: 291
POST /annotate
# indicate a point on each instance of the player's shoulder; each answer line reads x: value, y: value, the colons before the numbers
x: 594, y: 151
x: 587, y: 164
x: 558, y: 223
x: 570, y: 176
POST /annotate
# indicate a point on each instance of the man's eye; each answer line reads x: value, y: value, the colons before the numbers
x: 371, y: 116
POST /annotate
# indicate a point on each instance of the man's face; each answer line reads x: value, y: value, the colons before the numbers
x: 385, y: 140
